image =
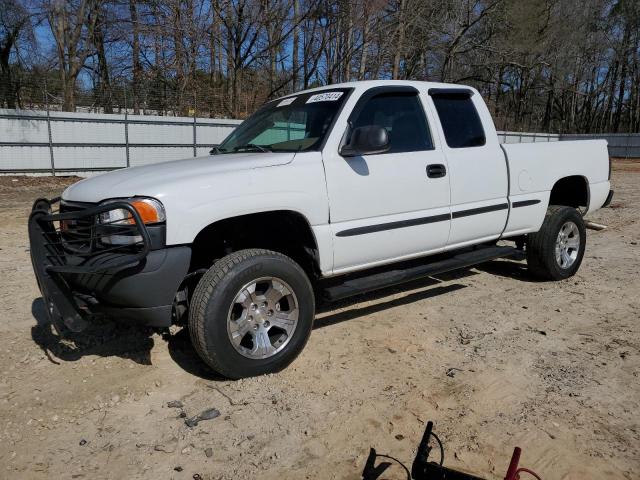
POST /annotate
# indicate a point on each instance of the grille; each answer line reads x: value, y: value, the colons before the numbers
x: 78, y: 234
x: 72, y: 240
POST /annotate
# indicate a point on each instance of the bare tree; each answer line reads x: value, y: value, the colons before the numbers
x: 15, y: 24
x: 555, y: 65
x: 295, y: 54
x: 136, y: 64
x: 72, y: 24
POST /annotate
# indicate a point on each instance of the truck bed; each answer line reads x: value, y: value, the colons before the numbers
x: 534, y: 169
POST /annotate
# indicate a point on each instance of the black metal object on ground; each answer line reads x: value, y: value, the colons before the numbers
x: 423, y: 469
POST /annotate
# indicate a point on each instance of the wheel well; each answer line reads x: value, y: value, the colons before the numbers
x: 283, y: 231
x: 570, y: 191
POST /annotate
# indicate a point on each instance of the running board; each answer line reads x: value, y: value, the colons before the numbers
x: 395, y: 277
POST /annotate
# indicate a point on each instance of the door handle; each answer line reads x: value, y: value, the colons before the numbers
x: 436, y: 170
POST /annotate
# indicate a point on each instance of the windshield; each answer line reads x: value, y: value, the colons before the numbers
x: 294, y: 124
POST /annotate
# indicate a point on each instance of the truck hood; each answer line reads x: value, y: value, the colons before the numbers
x: 160, y: 179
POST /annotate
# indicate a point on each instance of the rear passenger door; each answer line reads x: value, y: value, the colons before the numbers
x: 388, y: 206
x: 477, y: 167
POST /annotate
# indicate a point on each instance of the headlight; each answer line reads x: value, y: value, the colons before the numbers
x: 149, y: 210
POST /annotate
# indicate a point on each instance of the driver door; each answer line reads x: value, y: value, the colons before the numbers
x: 389, y: 206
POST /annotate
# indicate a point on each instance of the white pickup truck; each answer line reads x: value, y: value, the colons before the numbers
x: 329, y: 192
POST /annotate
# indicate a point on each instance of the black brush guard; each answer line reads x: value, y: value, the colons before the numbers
x: 58, y: 249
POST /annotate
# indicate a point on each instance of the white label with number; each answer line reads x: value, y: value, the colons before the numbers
x: 325, y: 97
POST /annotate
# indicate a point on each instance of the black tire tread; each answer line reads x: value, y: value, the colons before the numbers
x: 205, y: 288
x: 540, y: 244
x: 535, y: 245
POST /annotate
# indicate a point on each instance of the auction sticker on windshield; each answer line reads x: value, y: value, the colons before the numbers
x: 325, y: 97
x: 287, y: 101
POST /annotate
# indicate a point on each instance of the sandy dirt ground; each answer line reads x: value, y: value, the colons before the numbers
x: 494, y: 358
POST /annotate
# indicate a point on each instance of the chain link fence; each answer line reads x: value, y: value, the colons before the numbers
x: 170, y: 97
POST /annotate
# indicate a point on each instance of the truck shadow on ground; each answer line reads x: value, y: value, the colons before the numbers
x: 105, y: 338
x: 329, y: 314
x: 184, y: 355
x: 326, y: 318
x: 508, y: 269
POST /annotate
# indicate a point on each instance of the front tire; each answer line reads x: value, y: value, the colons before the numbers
x: 555, y: 252
x: 251, y: 313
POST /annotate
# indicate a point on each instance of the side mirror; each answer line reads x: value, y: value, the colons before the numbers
x: 214, y: 150
x: 367, y: 140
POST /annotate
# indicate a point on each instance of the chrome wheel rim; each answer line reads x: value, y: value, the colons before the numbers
x: 262, y: 318
x: 567, y: 245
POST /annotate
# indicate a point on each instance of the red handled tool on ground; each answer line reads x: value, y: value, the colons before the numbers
x: 423, y: 469
x: 513, y: 472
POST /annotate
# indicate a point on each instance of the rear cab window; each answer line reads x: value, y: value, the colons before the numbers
x: 459, y: 118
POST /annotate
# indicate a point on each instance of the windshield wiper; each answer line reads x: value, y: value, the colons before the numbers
x: 253, y: 146
x: 216, y: 150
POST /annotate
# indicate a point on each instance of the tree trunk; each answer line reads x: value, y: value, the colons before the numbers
x: 365, y: 42
x: 546, y: 121
x: 103, y: 66
x: 8, y: 91
x: 214, y: 35
x: 634, y: 100
x: 136, y: 67
x: 272, y: 44
x: 347, y: 58
x: 612, y: 90
x: 623, y: 79
x: 230, y: 57
x: 68, y: 94
x: 73, y: 36
x: 296, y: 41
x: 179, y: 60
x: 397, y: 58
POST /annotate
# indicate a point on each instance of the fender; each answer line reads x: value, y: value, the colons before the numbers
x: 297, y: 187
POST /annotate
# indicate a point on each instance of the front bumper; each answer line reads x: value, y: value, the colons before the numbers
x: 80, y: 277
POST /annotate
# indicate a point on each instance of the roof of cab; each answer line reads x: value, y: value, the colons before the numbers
x: 362, y: 85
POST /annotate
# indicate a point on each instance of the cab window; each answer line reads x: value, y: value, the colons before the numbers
x: 402, y: 115
x: 460, y: 120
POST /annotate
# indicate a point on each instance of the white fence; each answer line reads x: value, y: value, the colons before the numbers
x: 37, y: 141
x: 79, y: 143
x: 621, y: 145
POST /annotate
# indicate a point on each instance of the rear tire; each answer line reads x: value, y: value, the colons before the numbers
x: 555, y: 252
x: 251, y: 313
